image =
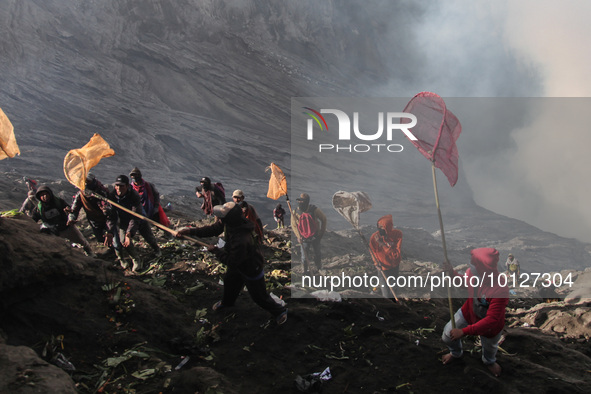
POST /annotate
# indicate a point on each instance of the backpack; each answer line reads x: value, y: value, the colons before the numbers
x: 307, y: 225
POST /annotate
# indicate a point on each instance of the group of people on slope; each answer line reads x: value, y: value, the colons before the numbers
x: 116, y: 217
x: 482, y: 314
x: 113, y: 225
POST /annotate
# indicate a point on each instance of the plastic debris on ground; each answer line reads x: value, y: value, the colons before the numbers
x: 325, y: 295
x: 61, y: 361
x: 182, y: 363
x: 277, y: 299
x: 313, y: 383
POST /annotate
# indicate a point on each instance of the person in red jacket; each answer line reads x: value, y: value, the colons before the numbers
x: 385, y: 251
x: 483, y: 313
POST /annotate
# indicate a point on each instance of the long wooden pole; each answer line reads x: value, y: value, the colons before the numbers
x: 163, y: 227
x: 451, y: 311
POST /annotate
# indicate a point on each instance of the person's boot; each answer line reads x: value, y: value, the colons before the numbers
x: 137, y: 264
x: 135, y: 259
x: 121, y: 259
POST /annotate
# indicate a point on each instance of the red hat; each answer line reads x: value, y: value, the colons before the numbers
x: 485, y: 259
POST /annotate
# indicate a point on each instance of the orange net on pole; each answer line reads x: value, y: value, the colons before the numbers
x: 277, y: 182
x: 78, y: 162
x: 8, y: 145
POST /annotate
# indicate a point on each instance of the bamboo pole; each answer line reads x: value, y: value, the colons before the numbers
x: 161, y: 226
x: 451, y: 312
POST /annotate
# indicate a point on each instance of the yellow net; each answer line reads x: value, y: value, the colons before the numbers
x: 8, y: 146
x: 78, y: 162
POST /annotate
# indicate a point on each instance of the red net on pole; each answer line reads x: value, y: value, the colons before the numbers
x: 437, y: 130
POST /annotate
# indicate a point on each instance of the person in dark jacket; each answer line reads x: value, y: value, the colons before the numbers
x: 279, y: 216
x: 52, y: 211
x: 93, y: 207
x: 211, y: 195
x: 483, y: 313
x: 30, y: 204
x: 149, y: 195
x: 242, y: 256
x: 129, y: 224
x: 250, y: 213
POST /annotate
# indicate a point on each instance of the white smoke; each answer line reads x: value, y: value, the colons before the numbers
x: 538, y: 170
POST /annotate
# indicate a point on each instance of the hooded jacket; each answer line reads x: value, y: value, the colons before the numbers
x: 51, y: 213
x: 489, y: 299
x: 386, y: 248
x: 241, y: 250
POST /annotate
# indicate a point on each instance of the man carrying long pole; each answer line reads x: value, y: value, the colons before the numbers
x: 436, y: 132
x: 278, y: 188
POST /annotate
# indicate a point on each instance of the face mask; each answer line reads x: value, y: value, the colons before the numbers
x: 382, y: 232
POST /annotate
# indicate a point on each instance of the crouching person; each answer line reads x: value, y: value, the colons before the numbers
x: 483, y: 313
x: 53, y: 213
x: 241, y: 255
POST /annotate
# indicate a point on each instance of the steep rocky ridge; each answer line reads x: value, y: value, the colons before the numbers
x: 184, y: 89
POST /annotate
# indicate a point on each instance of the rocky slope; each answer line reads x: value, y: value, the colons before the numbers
x: 69, y: 323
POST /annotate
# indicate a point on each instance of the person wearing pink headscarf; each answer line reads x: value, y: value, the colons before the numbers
x: 483, y: 313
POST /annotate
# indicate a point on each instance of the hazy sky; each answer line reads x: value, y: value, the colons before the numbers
x: 541, y: 173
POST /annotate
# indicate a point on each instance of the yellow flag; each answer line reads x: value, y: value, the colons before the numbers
x: 78, y: 162
x: 8, y: 146
x: 277, y: 182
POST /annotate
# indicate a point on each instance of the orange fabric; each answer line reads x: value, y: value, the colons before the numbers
x: 8, y: 145
x: 277, y: 183
x: 386, y: 249
x: 78, y: 162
